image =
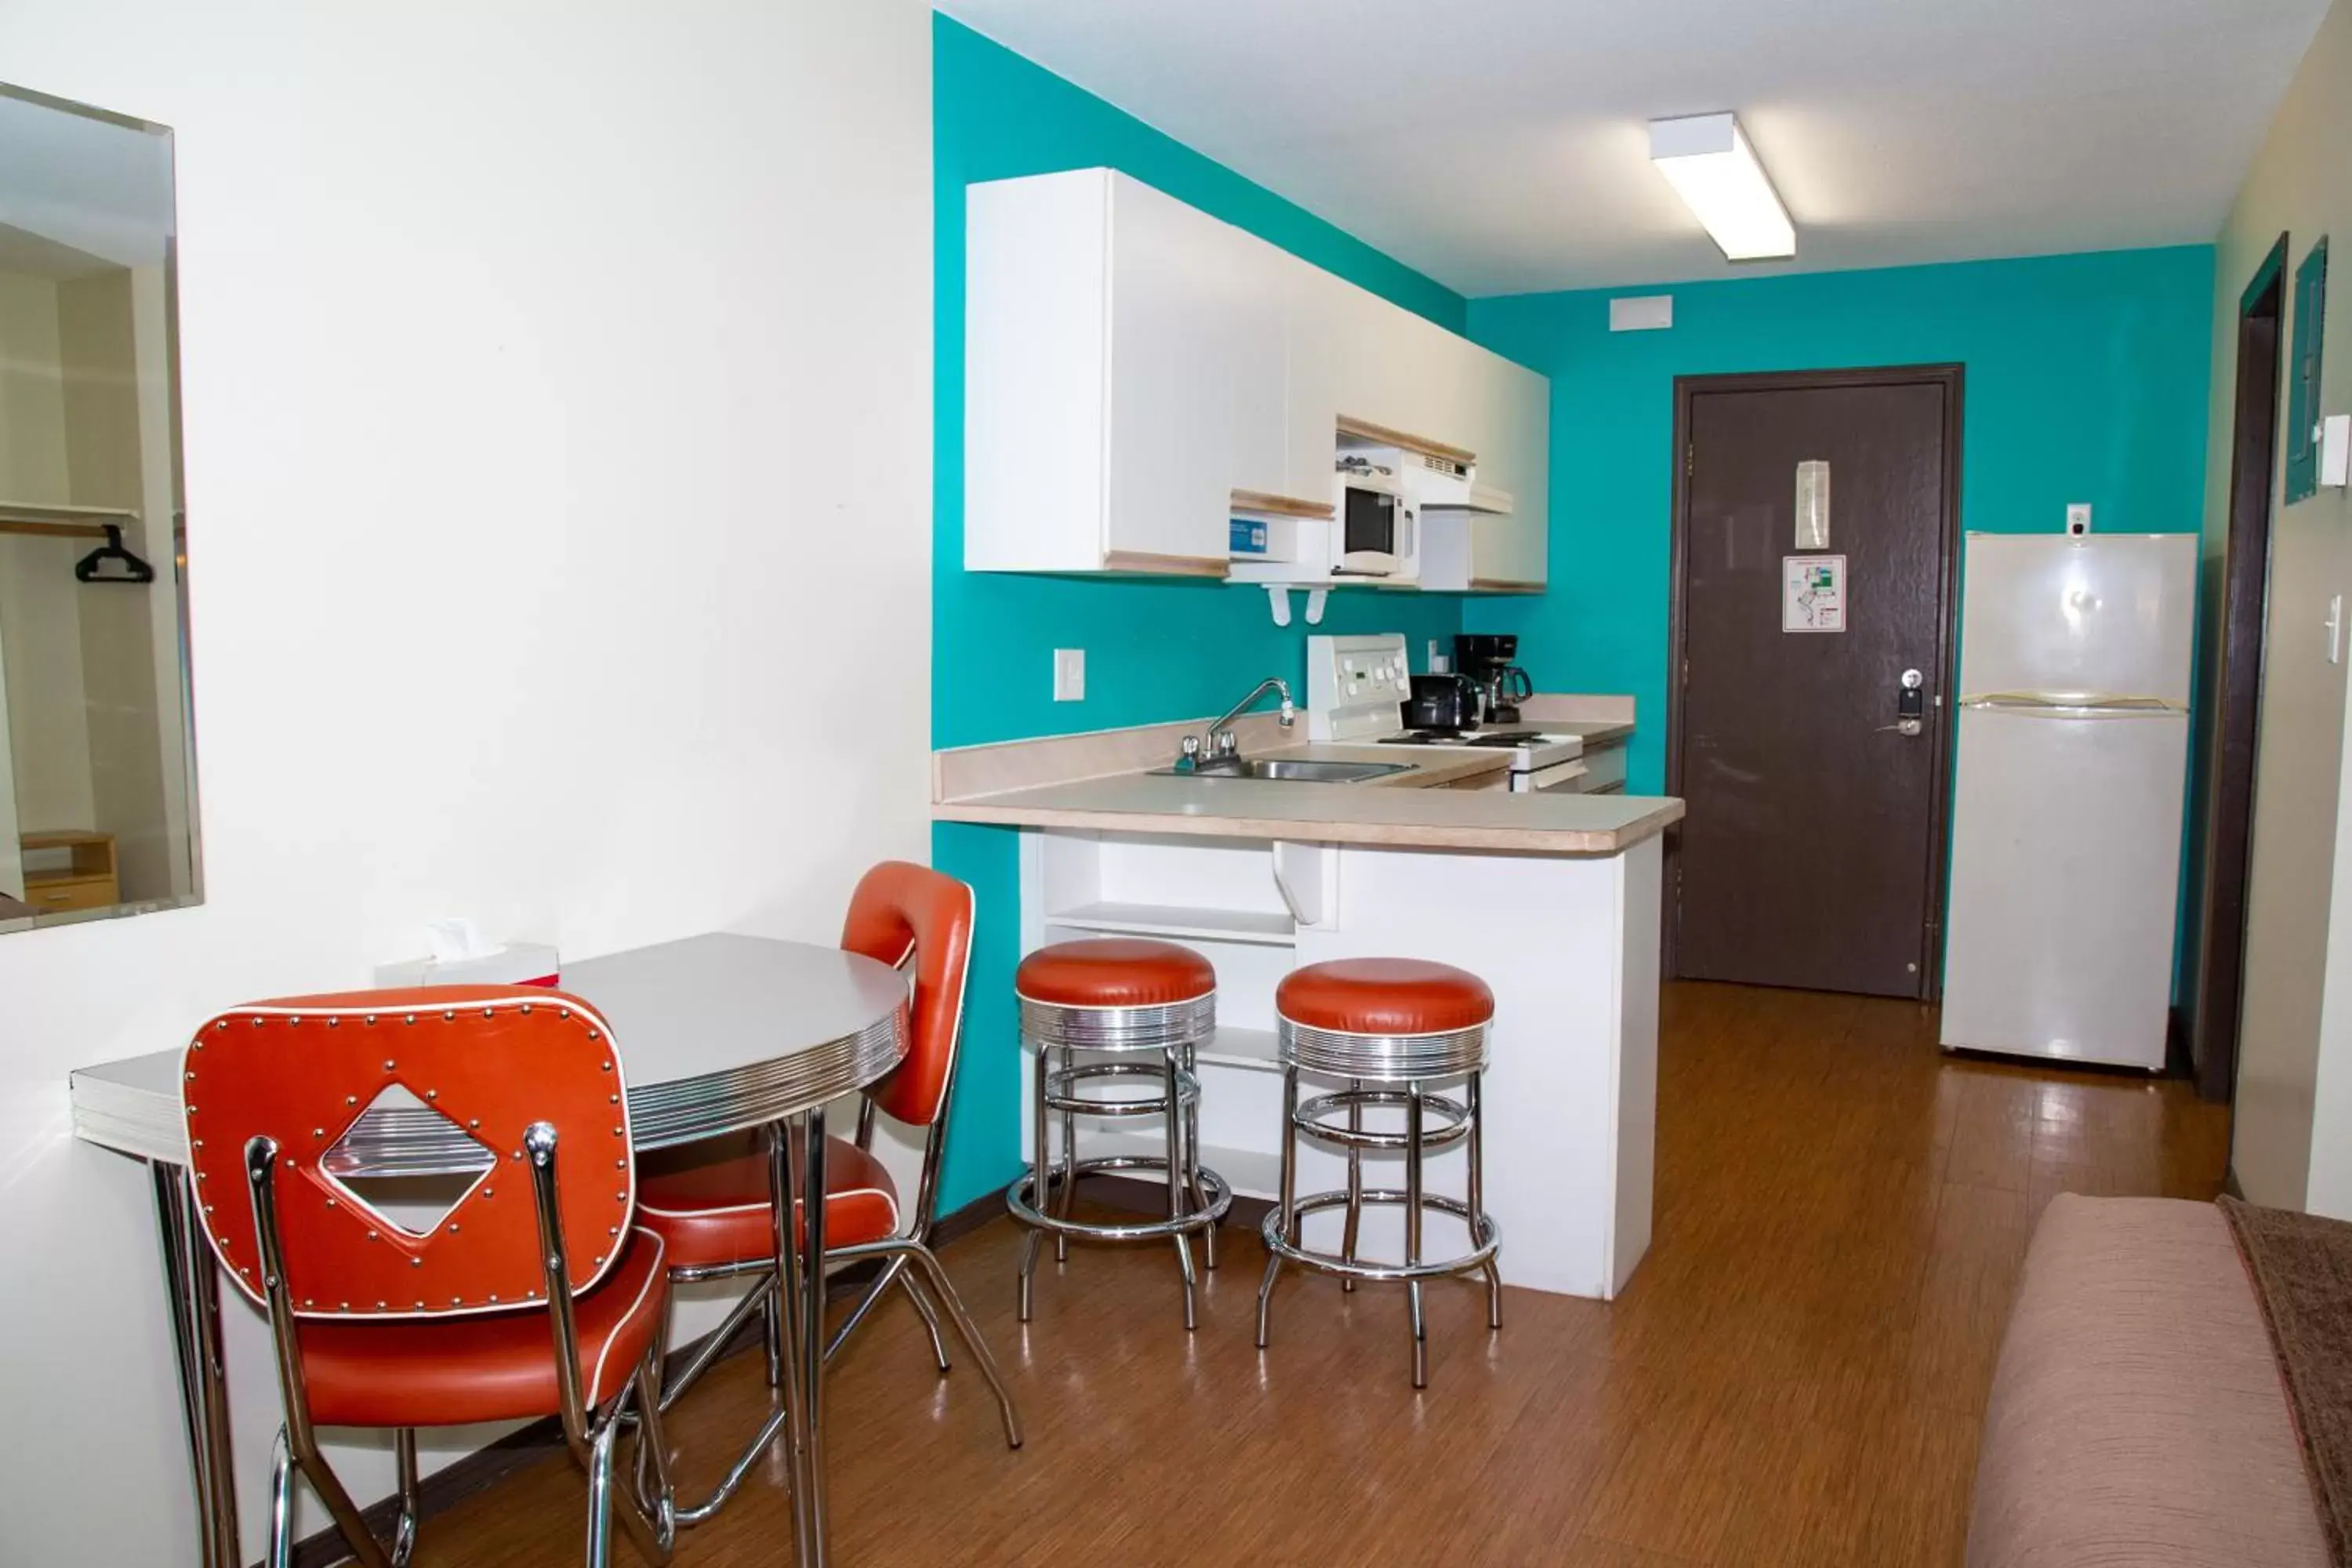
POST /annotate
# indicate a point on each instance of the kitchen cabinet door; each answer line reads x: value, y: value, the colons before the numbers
x: 1196, y: 379
x: 1514, y: 454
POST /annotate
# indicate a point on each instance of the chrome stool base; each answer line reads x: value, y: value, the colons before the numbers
x: 1198, y: 1197
x: 1455, y: 1121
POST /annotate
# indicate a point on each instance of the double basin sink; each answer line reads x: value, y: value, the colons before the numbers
x: 1296, y: 770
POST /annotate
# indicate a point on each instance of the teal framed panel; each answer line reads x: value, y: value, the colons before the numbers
x: 2303, y: 374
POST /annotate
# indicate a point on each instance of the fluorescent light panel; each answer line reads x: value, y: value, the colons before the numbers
x: 1707, y: 160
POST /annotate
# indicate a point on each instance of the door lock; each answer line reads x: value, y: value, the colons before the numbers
x: 1910, y: 706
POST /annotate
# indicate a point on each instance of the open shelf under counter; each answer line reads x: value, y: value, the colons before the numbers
x: 1271, y: 930
x: 1234, y: 1046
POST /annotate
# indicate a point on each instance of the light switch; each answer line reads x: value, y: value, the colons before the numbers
x: 2334, y: 450
x: 1069, y: 675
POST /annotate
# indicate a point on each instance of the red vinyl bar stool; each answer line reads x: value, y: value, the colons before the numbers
x: 530, y: 1296
x: 1120, y: 998
x: 1385, y: 1022
x: 711, y: 1203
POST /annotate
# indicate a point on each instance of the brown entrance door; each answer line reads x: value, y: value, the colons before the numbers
x: 1811, y: 855
x: 2245, y: 596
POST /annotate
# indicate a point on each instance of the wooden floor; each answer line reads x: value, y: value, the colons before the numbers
x: 1796, y: 1375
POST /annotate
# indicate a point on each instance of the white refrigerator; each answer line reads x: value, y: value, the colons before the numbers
x: 2066, y: 824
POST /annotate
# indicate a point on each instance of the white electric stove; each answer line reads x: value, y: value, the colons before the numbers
x: 1356, y: 688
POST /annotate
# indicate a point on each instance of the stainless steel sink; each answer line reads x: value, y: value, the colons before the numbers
x: 1298, y: 770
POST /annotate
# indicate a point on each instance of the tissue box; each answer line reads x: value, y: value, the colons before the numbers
x: 517, y: 963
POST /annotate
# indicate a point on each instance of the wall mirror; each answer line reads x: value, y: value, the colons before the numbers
x: 97, y: 797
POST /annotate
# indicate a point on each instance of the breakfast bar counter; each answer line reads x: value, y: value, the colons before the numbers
x: 1390, y: 811
x: 1552, y: 898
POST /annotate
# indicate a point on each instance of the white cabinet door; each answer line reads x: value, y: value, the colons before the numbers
x: 1314, y: 333
x: 1514, y: 454
x: 1196, y: 378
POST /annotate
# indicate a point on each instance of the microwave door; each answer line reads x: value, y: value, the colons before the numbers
x: 1367, y: 532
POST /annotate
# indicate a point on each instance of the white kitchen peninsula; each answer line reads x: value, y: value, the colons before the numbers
x: 1552, y: 898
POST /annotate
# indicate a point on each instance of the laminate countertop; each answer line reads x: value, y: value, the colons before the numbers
x: 1403, y: 811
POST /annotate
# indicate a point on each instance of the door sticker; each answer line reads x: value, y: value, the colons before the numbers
x: 1812, y: 593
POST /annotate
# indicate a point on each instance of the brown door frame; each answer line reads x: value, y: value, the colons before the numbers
x: 2237, y: 705
x: 1952, y: 378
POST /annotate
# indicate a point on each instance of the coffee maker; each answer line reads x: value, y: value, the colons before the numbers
x: 1490, y: 660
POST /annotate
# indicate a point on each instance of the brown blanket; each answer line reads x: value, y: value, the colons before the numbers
x: 2302, y: 1270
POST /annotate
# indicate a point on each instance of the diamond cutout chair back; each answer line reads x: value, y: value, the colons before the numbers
x: 483, y: 1064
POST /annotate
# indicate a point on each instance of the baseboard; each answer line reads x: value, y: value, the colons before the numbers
x: 452, y: 1484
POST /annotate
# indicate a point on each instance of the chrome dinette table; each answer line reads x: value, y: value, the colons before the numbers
x: 718, y: 1033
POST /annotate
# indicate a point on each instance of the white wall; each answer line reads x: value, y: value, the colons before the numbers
x: 557, y: 385
x: 2287, y: 1148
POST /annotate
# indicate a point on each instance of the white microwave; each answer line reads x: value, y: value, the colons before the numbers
x: 1374, y: 532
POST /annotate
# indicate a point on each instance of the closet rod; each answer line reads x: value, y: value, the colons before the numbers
x: 53, y: 530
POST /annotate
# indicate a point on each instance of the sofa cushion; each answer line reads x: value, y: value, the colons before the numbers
x: 2137, y: 1415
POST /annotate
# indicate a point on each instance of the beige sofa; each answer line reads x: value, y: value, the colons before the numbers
x: 2137, y: 1415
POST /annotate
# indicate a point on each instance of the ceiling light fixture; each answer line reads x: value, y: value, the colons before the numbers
x: 1707, y: 160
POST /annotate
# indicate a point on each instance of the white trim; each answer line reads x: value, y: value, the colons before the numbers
x: 621, y: 1323
x: 1021, y: 995
x: 769, y: 1207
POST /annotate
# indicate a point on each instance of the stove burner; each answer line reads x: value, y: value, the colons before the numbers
x: 1501, y: 738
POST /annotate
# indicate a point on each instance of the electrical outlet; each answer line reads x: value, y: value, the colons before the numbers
x: 2078, y: 518
x: 1069, y: 675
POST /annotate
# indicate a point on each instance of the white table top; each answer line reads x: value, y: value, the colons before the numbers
x: 716, y: 1034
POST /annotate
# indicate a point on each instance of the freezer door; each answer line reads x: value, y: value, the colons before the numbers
x: 2065, y: 882
x: 2104, y: 614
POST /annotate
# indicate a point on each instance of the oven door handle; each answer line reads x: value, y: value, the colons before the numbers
x: 1568, y: 776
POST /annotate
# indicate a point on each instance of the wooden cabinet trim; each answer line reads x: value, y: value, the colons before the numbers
x: 1271, y: 505
x: 1365, y: 430
x: 1165, y: 565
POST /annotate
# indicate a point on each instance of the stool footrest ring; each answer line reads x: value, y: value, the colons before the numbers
x: 1483, y: 1229
x: 1022, y: 1204
x: 1451, y: 1118
x: 1062, y: 1088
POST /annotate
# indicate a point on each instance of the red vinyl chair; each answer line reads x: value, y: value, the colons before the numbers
x: 530, y: 1296
x: 711, y: 1203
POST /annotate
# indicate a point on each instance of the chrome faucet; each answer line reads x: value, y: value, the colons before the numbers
x: 1223, y: 745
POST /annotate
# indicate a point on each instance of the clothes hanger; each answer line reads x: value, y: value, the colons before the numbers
x: 91, y: 568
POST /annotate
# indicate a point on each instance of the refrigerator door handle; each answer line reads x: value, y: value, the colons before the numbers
x: 2072, y: 705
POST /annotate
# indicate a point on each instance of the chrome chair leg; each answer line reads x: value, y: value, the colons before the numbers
x: 650, y: 1514
x: 1412, y: 1133
x: 771, y: 1333
x: 1069, y: 1193
x: 940, y: 1286
x: 1192, y: 1163
x: 1355, y: 1185
x: 759, y: 1297
x: 1286, y: 1219
x: 1477, y: 1195
x: 1039, y: 1168
x: 1175, y: 1142
x: 931, y: 1317
x: 404, y: 1533
x: 600, y: 1496
x: 281, y: 1504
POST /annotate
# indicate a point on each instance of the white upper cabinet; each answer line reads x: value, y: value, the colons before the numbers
x: 1512, y: 553
x: 1132, y: 365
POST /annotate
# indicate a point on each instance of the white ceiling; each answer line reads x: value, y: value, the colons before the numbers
x: 1501, y: 146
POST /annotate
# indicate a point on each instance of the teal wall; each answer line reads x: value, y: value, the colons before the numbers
x: 1154, y: 651
x: 2086, y: 382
